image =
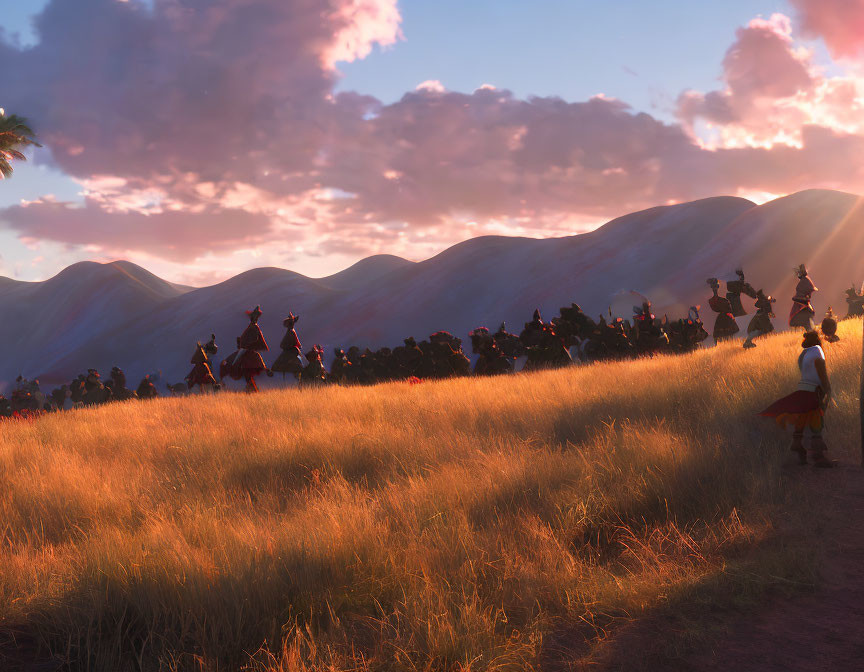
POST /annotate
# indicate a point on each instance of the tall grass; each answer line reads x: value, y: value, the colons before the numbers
x: 475, y: 524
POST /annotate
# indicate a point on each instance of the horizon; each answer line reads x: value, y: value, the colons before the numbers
x: 105, y: 262
x: 402, y: 127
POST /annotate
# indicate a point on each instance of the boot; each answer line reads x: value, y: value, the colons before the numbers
x: 817, y: 453
x: 798, y: 447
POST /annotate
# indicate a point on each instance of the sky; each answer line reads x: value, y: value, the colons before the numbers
x: 201, y: 138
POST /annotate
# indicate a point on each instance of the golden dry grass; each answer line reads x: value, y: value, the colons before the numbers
x: 512, y: 523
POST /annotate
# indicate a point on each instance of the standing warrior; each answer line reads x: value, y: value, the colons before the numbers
x: 146, y: 388
x: 246, y: 362
x: 202, y: 369
x: 805, y: 408
x: 855, y: 301
x: 802, y: 312
x: 289, y: 359
x: 734, y: 290
x: 340, y: 370
x: 725, y: 326
x: 314, y: 371
x: 760, y: 325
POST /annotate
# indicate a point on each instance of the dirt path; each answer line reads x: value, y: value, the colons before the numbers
x: 821, y: 631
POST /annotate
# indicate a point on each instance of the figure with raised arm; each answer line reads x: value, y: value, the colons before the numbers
x: 734, y: 290
x: 725, y: 326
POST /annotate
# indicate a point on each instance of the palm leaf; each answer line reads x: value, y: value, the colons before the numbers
x: 14, y: 133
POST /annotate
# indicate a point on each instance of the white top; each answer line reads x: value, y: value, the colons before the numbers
x: 809, y: 377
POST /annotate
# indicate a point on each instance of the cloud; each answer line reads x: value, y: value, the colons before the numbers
x: 204, y: 127
x: 220, y: 89
x: 839, y: 22
x: 173, y: 235
x: 766, y: 78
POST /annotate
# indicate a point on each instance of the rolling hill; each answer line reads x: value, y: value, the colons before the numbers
x: 99, y: 315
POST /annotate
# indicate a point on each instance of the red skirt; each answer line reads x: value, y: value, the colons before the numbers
x: 800, y: 409
x: 200, y: 375
x: 241, y: 364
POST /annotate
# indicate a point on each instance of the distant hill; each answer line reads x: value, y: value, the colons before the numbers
x: 99, y: 315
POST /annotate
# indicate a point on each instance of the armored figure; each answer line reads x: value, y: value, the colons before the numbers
x: 491, y: 359
x: 725, y: 326
x: 288, y: 360
x: 855, y: 301
x: 829, y: 326
x: 340, y: 370
x: 246, y: 362
x: 802, y: 312
x: 314, y: 372
x: 146, y: 388
x: 761, y: 322
x: 734, y: 290
x: 202, y: 366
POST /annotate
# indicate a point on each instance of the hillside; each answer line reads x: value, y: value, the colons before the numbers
x: 119, y: 314
x: 526, y: 522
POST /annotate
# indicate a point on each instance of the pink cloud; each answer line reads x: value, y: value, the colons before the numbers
x: 839, y: 22
x: 173, y: 235
x: 207, y: 126
x: 763, y: 71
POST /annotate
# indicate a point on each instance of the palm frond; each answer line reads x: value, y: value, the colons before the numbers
x: 14, y: 134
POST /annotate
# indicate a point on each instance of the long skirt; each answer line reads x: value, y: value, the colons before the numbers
x: 725, y: 326
x: 288, y: 361
x: 760, y: 324
x: 801, y: 409
x: 801, y: 315
x: 200, y: 375
x: 241, y: 364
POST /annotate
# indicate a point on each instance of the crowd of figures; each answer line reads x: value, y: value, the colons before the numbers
x: 570, y: 336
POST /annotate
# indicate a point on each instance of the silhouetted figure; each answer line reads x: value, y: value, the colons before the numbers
x: 314, y: 372
x: 59, y: 396
x: 202, y: 366
x: 340, y: 370
x: 491, y: 360
x: 802, y: 312
x: 686, y: 334
x: 545, y: 349
x: 246, y: 362
x: 289, y: 359
x: 76, y: 389
x: 648, y: 336
x: 725, y: 326
x: 94, y: 391
x: 829, y: 326
x: 761, y: 323
x: 119, y: 390
x: 146, y: 388
x: 855, y: 301
x: 734, y: 290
